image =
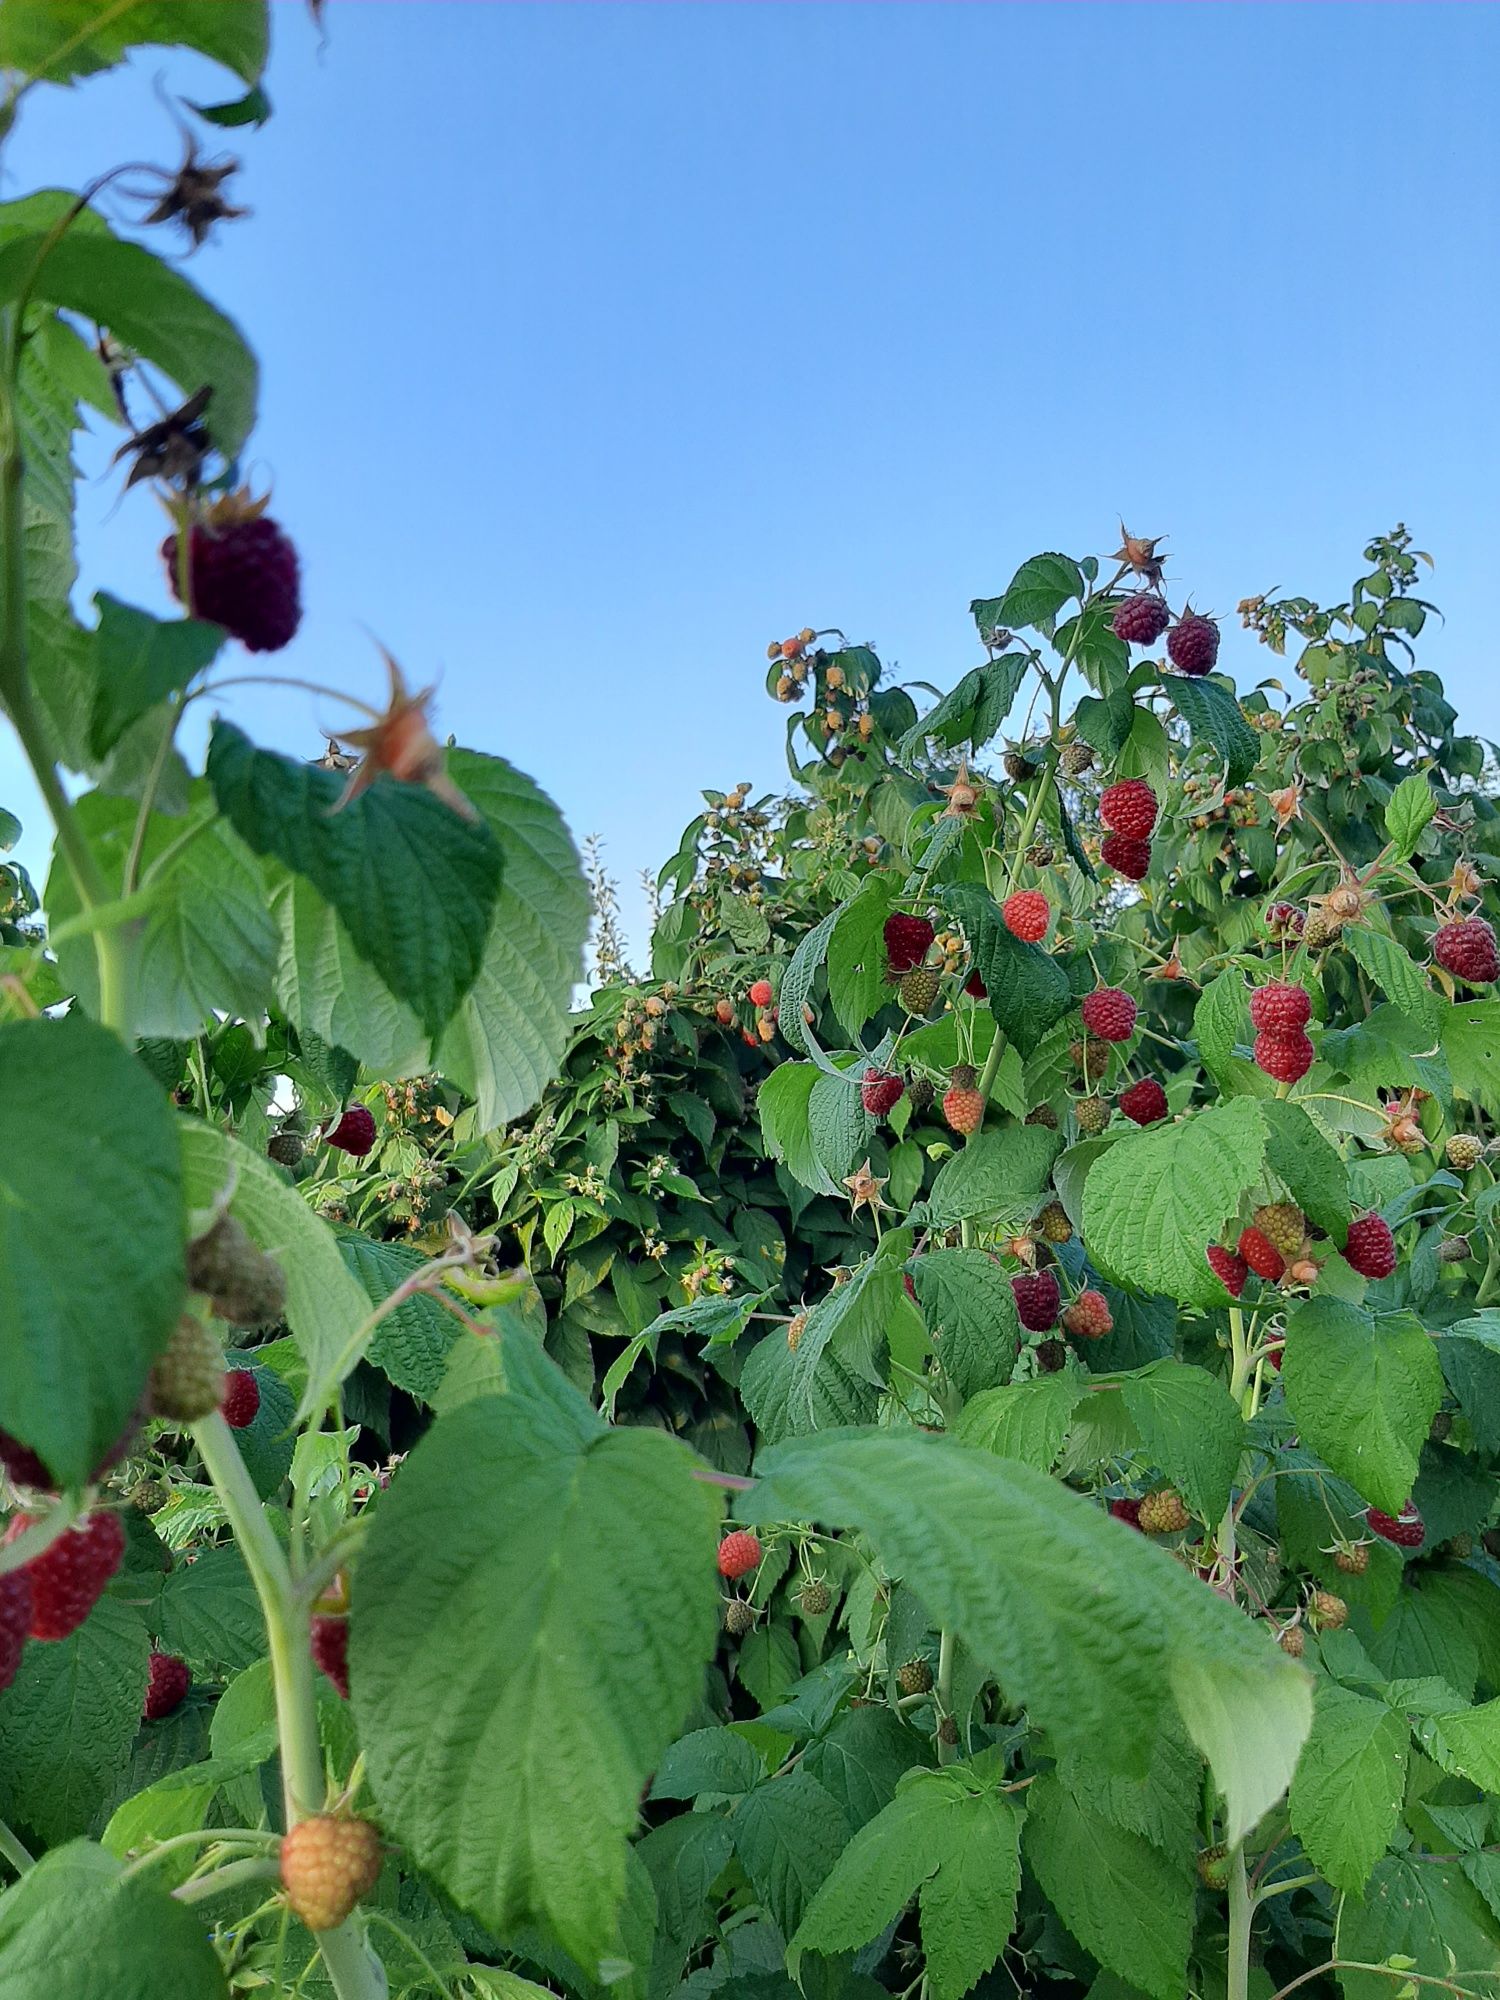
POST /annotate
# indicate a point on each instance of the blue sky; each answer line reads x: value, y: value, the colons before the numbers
x: 603, y: 343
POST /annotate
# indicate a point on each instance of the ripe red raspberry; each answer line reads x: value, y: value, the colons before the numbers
x: 1228, y: 1267
x: 1193, y: 643
x: 330, y: 1650
x: 1109, y: 1013
x: 1467, y: 950
x: 1037, y: 1300
x: 1130, y: 858
x: 1280, y: 1009
x: 1027, y: 915
x: 906, y: 941
x: 68, y: 1577
x: 22, y: 1465
x: 1128, y: 1511
x: 760, y: 993
x: 963, y: 1105
x: 1369, y: 1247
x: 15, y: 1622
x: 1406, y: 1529
x: 1130, y: 808
x: 1141, y: 620
x: 355, y: 1131
x: 1261, y: 1254
x: 244, y: 574
x: 327, y: 1864
x: 739, y: 1552
x: 1144, y: 1102
x: 1285, y: 1057
x: 241, y: 1399
x: 879, y: 1092
x: 1089, y: 1316
x: 975, y: 987
x: 167, y: 1683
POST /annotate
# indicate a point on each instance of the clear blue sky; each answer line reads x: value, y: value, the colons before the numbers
x: 604, y: 343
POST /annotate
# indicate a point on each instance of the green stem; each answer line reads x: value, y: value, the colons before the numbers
x: 203, y: 1836
x: 14, y: 1850
x: 256, y: 1869
x: 1241, y: 1910
x: 946, y: 1751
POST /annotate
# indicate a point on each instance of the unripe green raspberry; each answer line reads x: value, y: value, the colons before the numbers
x: 1092, y: 1114
x: 1163, y: 1513
x: 739, y: 1617
x: 1463, y: 1152
x: 1326, y: 1611
x: 1283, y: 1224
x: 1213, y: 1867
x: 919, y: 989
x: 1053, y: 1224
x: 914, y: 1677
x: 1076, y: 758
x: 286, y: 1148
x: 187, y: 1378
x: 815, y: 1598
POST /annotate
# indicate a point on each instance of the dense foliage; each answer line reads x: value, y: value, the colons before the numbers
x: 943, y: 1440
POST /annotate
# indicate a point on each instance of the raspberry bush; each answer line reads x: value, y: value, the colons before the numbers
x: 942, y: 1436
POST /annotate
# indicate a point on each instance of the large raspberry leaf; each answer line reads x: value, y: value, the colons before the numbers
x: 948, y: 1839
x: 1347, y: 1793
x: 1023, y: 1420
x: 76, y: 1928
x: 996, y: 1178
x: 857, y: 985
x: 414, y: 882
x: 1431, y: 1916
x: 971, y: 712
x: 970, y: 1312
x: 1471, y: 1042
x: 1036, y: 593
x: 1083, y: 1622
x: 89, y: 1159
x: 1392, y: 969
x: 1189, y: 1428
x: 1363, y: 1392
x: 57, y: 40
x: 142, y: 660
x: 1212, y: 714
x: 532, y: 1615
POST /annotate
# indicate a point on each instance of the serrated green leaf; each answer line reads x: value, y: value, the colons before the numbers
x: 1213, y: 716
x: 856, y: 953
x: 972, y: 711
x: 1027, y: 988
x: 707, y: 1760
x: 71, y: 1373
x: 142, y: 660
x: 797, y: 984
x: 1024, y: 1420
x: 1347, y: 1792
x: 532, y: 1614
x: 1106, y: 723
x: 1407, y: 812
x: 784, y: 1103
x: 863, y: 1758
x: 411, y: 1345
x: 1425, y: 1912
x: 1315, y: 1175
x: 1154, y: 1202
x: 1090, y: 1663
x: 1471, y: 1042
x: 1219, y: 1022
x: 1363, y: 1394
x: 175, y: 1804
x: 996, y: 1177
x: 1467, y: 1742
x: 75, y: 1928
x: 1034, y: 596
x: 1394, y: 973
x: 415, y: 883
x: 839, y: 1126
x: 57, y: 40
x: 1190, y: 1429
x: 207, y: 1612
x: 970, y: 1312
x: 788, y: 1833
x: 1122, y: 1898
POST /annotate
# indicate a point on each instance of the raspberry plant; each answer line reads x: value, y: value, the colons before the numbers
x: 906, y: 1449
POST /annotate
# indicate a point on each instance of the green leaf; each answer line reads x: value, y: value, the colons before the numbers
x: 1092, y: 1663
x: 829, y: 1396
x: 141, y: 661
x: 1347, y: 1792
x: 1026, y: 1420
x: 208, y: 1613
x: 1471, y: 1042
x: 1190, y: 1428
x: 849, y: 1326
x: 946, y: 1838
x: 707, y: 1760
x: 788, y: 1834
x: 839, y: 1126
x: 1163, y: 1808
x: 1407, y: 812
x: 784, y: 1102
x: 797, y: 984
x: 412, y: 1345
x: 254, y: 108
x: 996, y: 1177
x: 1219, y: 1023
x: 1315, y: 1175
x: 1213, y: 716
x: 970, y: 1312
x: 1106, y: 723
x: 1028, y: 990
x: 69, y: 1720
x: 74, y: 1928
x: 414, y: 882
x: 862, y: 1759
x: 1394, y: 973
x: 57, y: 40
x: 1426, y: 1912
x: 856, y: 953
x: 972, y: 711
x: 146, y: 304
x: 1469, y: 1353
x: 1363, y: 1394
x: 90, y: 1158
x: 175, y: 1804
x: 532, y: 1614
x: 1154, y: 1202
x: 1468, y: 1744
x: 1123, y: 1899
x: 1036, y: 593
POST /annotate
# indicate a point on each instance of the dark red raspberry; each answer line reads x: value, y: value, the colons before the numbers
x: 1261, y: 1254
x: 355, y: 1131
x: 976, y: 987
x: 15, y: 1622
x: 1128, y: 1511
x: 1193, y: 643
x: 1109, y: 1013
x: 1130, y: 858
x: 1369, y: 1247
x: 1284, y: 1057
x: 244, y: 575
x: 1037, y: 1301
x: 906, y: 941
x: 1141, y: 620
x: 241, y: 1399
x: 1144, y: 1102
x: 1406, y: 1529
x: 69, y: 1575
x: 23, y: 1466
x: 1467, y: 950
x: 1280, y: 1009
x: 330, y: 1650
x: 1229, y: 1268
x: 739, y: 1553
x: 1285, y: 920
x: 1027, y: 915
x: 167, y: 1683
x: 879, y: 1092
x: 1130, y: 808
x: 1089, y: 1316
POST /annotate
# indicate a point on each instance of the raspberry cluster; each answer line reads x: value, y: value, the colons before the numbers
x: 1128, y: 809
